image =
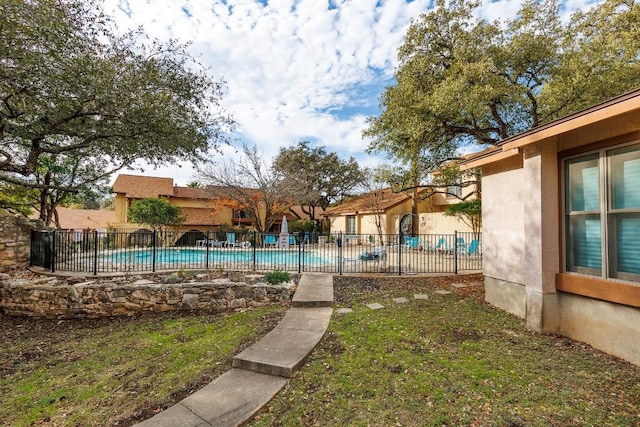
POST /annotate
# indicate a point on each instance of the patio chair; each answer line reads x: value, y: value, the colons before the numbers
x: 442, y: 246
x: 270, y: 240
x: 378, y: 254
x: 461, y: 246
x: 413, y: 243
x: 474, y: 248
x: 231, y: 240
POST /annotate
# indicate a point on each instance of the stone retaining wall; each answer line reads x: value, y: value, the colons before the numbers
x: 89, y: 299
x: 15, y: 240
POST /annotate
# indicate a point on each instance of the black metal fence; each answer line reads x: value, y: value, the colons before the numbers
x: 149, y: 251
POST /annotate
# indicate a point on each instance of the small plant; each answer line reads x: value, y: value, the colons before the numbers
x: 276, y: 277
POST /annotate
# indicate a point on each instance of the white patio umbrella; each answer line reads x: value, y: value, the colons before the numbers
x: 284, y: 233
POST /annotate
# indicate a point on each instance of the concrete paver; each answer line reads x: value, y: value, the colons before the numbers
x: 261, y: 370
x: 401, y: 300
x: 375, y: 306
x: 420, y: 296
x: 344, y: 310
x: 314, y: 290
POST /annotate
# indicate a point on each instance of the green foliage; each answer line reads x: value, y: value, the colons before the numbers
x: 302, y: 225
x: 314, y: 178
x: 276, y: 277
x: 463, y: 80
x: 81, y: 101
x: 468, y: 211
x: 156, y: 213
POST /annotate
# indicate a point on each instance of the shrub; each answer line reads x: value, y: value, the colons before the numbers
x: 276, y: 277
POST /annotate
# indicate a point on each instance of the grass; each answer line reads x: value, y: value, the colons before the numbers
x: 449, y: 360
x: 116, y: 371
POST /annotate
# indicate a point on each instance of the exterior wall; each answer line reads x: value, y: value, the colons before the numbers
x: 503, y: 236
x: 437, y: 222
x: 120, y: 208
x: 610, y: 327
x: 521, y: 257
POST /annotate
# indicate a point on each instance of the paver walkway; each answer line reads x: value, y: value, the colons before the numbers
x: 261, y: 370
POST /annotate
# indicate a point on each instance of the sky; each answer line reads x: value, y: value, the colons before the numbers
x: 296, y: 70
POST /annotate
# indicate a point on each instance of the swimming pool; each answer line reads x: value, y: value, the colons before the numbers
x: 201, y: 258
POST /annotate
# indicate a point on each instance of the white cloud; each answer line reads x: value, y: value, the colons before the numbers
x: 291, y: 65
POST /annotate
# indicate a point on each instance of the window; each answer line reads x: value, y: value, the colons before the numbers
x: 602, y: 213
x: 351, y: 225
x: 454, y: 191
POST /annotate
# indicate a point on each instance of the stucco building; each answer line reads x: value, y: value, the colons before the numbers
x: 561, y: 226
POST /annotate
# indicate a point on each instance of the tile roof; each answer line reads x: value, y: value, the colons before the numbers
x: 71, y: 219
x: 199, y: 216
x: 138, y: 187
x: 364, y: 203
x: 191, y: 193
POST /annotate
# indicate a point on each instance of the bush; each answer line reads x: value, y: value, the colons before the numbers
x: 276, y: 277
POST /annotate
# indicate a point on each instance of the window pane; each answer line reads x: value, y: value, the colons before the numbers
x: 351, y: 225
x: 585, y: 244
x: 627, y: 244
x: 625, y: 182
x: 584, y: 188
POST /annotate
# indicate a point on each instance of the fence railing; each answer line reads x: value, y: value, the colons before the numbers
x: 149, y: 251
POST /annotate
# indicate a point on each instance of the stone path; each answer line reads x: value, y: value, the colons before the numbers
x: 261, y: 370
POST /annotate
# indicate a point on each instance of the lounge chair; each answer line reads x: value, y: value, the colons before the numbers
x: 442, y: 246
x: 461, y: 246
x: 231, y: 240
x: 270, y: 240
x: 377, y: 255
x: 474, y: 248
x: 413, y: 243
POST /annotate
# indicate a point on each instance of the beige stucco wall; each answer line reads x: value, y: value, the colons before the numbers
x: 521, y: 257
x: 438, y: 223
x: 610, y: 327
x: 503, y: 237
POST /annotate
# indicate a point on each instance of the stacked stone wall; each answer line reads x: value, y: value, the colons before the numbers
x: 92, y: 300
x: 15, y: 241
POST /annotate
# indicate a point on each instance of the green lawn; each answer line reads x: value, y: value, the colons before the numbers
x: 450, y: 360
x: 115, y: 371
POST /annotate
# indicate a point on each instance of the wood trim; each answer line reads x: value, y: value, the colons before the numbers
x: 596, y: 146
x: 599, y: 113
x: 603, y: 289
x: 493, y: 157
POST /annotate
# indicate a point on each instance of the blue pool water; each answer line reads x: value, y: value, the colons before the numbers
x: 190, y: 256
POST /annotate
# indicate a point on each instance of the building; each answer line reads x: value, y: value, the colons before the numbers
x: 561, y: 226
x: 381, y: 212
x: 201, y: 207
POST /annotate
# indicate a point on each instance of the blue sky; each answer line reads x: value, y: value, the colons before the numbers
x: 295, y: 69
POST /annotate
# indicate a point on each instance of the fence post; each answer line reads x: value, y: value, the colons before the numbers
x: 253, y: 245
x: 339, y: 245
x: 53, y: 252
x: 153, y: 251
x: 95, y: 252
x: 206, y: 253
x: 455, y: 252
x: 400, y: 234
x: 300, y: 244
